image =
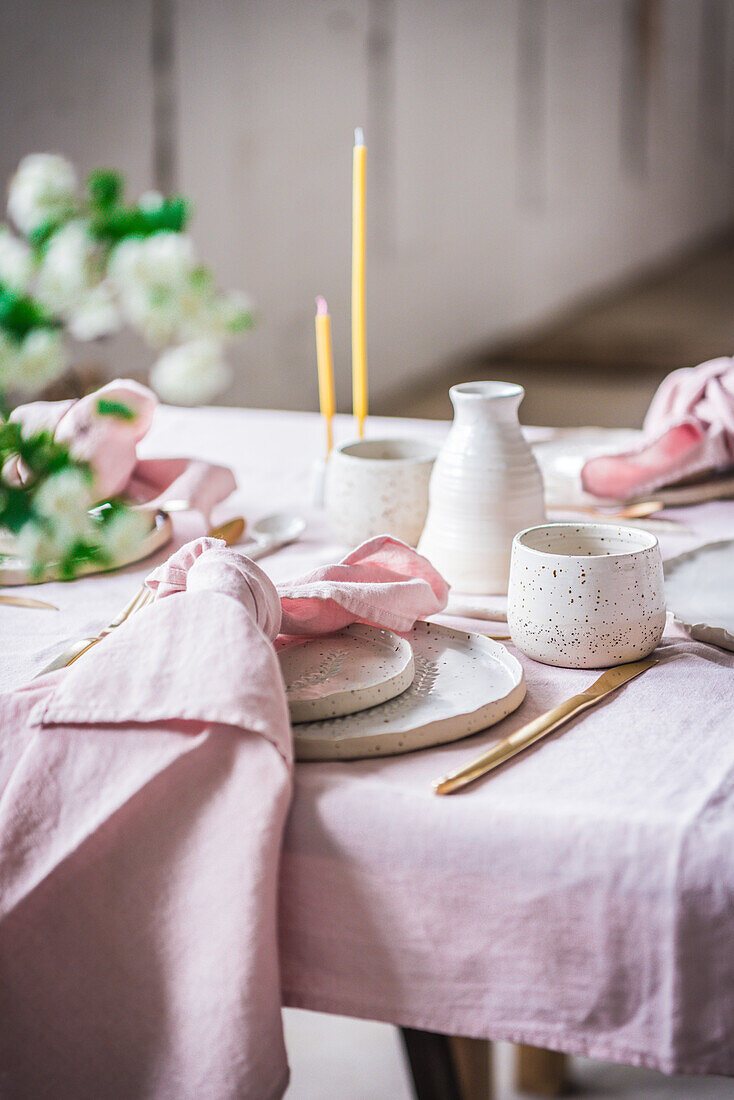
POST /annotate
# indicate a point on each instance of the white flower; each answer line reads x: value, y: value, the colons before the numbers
x: 96, y: 314
x: 211, y: 314
x: 192, y: 373
x: 234, y: 311
x: 42, y: 358
x: 123, y: 534
x: 42, y: 190
x: 163, y: 260
x: 67, y: 269
x: 153, y: 279
x: 151, y: 200
x: 38, y: 546
x: 63, y: 500
x: 16, y: 261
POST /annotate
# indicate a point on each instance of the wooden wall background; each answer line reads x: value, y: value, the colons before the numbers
x: 521, y: 153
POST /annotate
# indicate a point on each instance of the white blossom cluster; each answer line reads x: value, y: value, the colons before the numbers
x: 155, y: 284
x: 62, y: 518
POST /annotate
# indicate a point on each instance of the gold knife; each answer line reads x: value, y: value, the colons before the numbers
x: 26, y: 601
x: 527, y: 735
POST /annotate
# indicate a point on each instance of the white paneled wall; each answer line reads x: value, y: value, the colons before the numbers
x: 521, y: 152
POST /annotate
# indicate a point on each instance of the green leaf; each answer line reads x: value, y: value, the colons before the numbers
x: 19, y: 313
x: 118, y: 409
x: 41, y: 235
x: 244, y: 322
x: 115, y: 223
x: 104, y: 187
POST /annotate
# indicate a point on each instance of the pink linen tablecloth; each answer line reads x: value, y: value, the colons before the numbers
x: 582, y: 899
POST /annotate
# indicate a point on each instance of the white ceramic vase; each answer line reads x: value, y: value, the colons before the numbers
x: 485, y: 487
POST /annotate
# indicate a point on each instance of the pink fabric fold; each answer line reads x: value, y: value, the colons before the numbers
x: 109, y: 444
x: 106, y: 442
x: 383, y: 582
x: 689, y: 431
x: 143, y: 796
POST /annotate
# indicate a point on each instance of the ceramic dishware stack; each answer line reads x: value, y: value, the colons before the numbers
x: 586, y: 595
x: 378, y: 487
x: 462, y: 683
x: 485, y: 486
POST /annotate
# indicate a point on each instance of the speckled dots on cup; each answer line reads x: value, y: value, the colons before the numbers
x: 586, y: 595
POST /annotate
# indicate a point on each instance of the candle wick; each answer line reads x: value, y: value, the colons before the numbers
x: 321, y: 307
x: 359, y: 136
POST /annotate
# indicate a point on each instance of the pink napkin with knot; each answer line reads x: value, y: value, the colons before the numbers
x: 143, y: 794
x: 109, y: 444
x: 689, y: 431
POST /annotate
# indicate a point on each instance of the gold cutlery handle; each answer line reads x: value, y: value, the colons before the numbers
x: 513, y: 744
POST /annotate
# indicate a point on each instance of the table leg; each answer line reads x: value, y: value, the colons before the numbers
x: 446, y: 1067
x: 541, y: 1072
x: 473, y: 1062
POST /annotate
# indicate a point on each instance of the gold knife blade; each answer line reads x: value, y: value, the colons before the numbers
x: 26, y: 601
x: 544, y: 724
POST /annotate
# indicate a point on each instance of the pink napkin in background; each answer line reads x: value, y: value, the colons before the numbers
x: 143, y: 794
x: 108, y: 443
x: 689, y: 431
x: 201, y: 485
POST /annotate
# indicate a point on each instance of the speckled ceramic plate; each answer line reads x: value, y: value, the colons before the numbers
x: 346, y: 672
x: 463, y: 683
x: 699, y: 590
x: 13, y: 570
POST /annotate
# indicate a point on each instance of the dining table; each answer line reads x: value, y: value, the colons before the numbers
x: 580, y: 899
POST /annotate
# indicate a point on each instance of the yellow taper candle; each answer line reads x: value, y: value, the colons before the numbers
x: 325, y: 363
x: 359, y: 339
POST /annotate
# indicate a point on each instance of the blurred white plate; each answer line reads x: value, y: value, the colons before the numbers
x: 562, y: 458
x: 345, y: 672
x: 463, y: 683
x: 14, y: 570
x: 699, y: 590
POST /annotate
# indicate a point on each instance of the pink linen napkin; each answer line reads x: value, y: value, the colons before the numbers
x: 143, y: 795
x: 108, y: 444
x: 689, y: 431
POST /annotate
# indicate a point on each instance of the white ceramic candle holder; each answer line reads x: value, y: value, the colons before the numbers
x: 378, y: 487
x: 586, y: 595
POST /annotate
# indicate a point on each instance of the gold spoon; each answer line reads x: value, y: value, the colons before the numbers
x: 231, y: 531
x: 641, y: 510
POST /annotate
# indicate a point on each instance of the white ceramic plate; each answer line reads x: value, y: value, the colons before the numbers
x: 13, y: 570
x: 463, y: 683
x: 699, y: 590
x: 345, y: 672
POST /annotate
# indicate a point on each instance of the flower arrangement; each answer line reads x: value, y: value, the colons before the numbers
x: 82, y: 264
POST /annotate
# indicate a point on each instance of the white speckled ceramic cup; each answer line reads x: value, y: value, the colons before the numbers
x: 379, y: 487
x: 585, y: 595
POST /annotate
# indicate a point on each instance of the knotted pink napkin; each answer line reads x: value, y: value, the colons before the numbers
x: 143, y: 794
x: 108, y: 443
x: 689, y: 430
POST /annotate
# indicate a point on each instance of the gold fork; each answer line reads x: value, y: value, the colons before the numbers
x: 230, y: 532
